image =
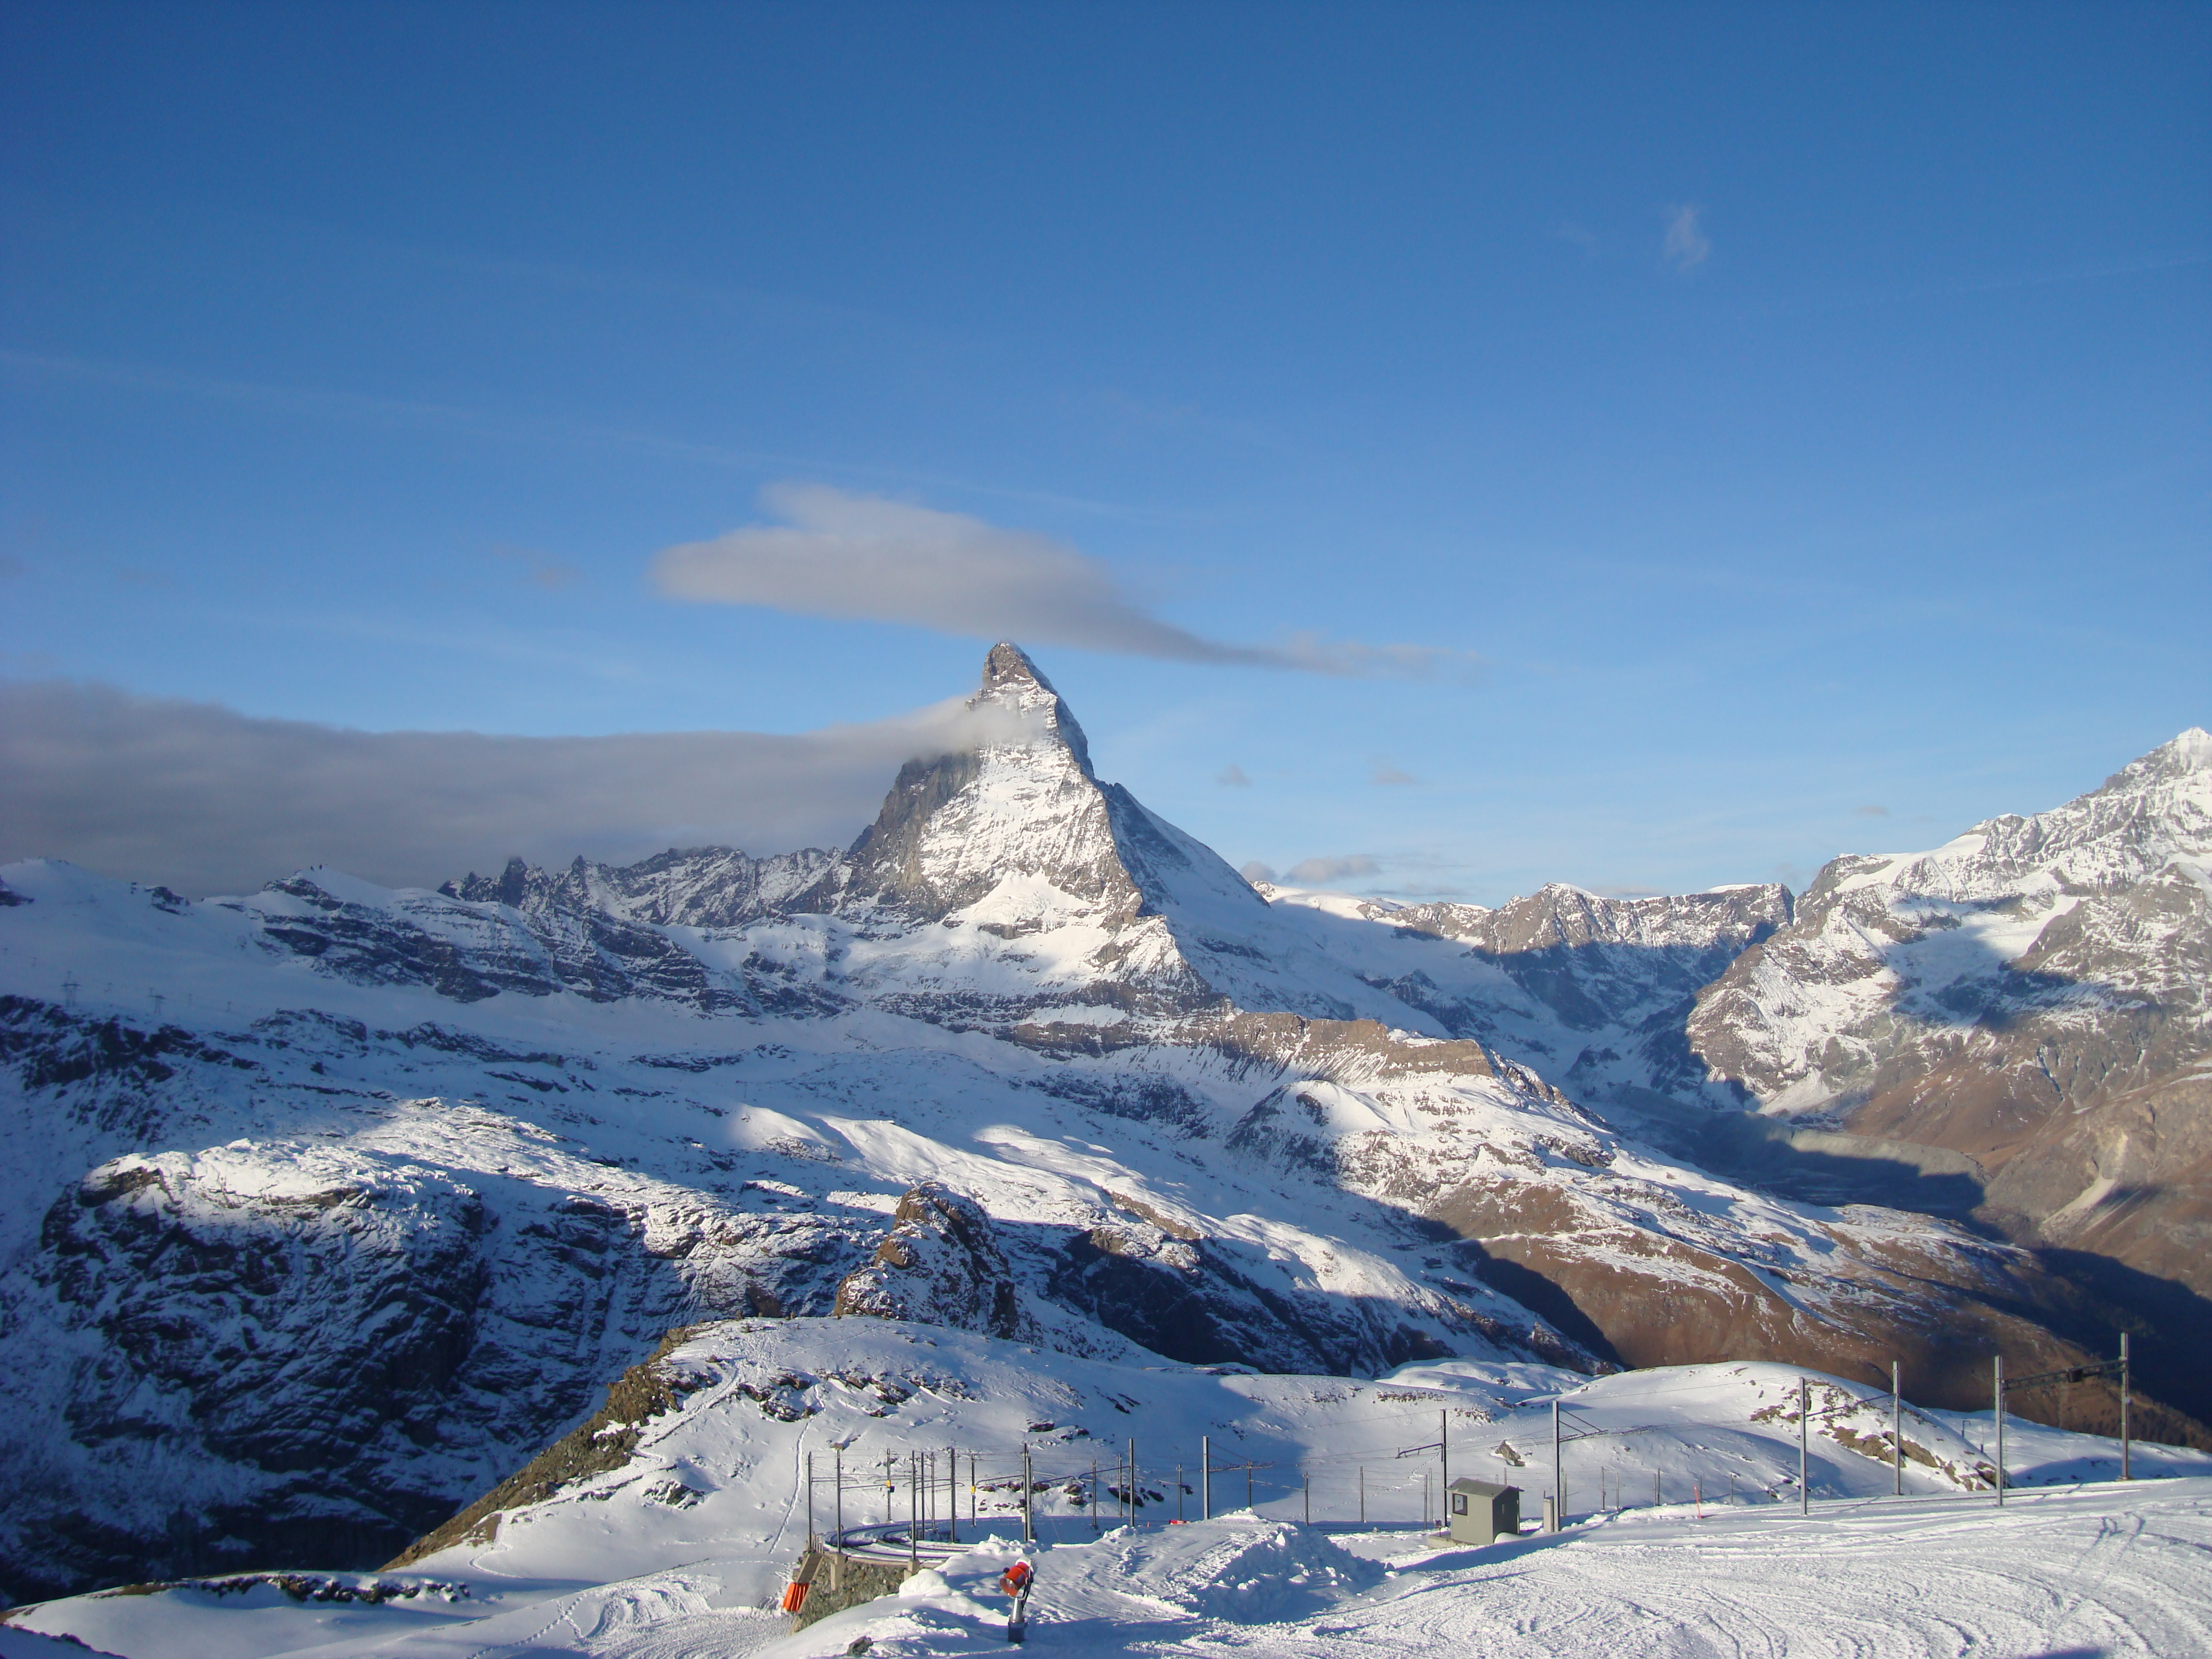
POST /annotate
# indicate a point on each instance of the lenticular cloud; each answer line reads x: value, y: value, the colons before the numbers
x: 863, y: 558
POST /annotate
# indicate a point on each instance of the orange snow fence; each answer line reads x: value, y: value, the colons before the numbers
x: 795, y: 1597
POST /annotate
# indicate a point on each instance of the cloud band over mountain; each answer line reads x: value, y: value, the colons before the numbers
x: 208, y: 800
x: 865, y: 558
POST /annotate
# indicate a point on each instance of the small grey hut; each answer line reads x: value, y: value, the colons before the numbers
x: 1480, y: 1510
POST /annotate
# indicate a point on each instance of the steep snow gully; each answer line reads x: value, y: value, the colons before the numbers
x: 331, y: 1208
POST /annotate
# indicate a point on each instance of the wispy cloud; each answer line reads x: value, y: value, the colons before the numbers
x: 1686, y: 246
x: 540, y: 570
x: 1320, y: 871
x: 1233, y: 776
x: 206, y: 799
x: 865, y: 558
x: 1390, y: 775
x: 1871, y: 811
x: 1581, y: 235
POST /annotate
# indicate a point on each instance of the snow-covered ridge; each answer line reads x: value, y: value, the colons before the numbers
x: 1689, y: 1485
x: 331, y: 1204
x: 2028, y: 1004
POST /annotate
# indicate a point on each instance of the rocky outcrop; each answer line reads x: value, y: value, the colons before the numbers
x: 605, y: 1440
x: 2033, y: 999
x: 368, y: 1193
x: 941, y: 1264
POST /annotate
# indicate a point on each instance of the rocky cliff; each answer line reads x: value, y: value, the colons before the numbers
x: 330, y: 1204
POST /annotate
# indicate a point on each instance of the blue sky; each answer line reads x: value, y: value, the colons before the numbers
x: 1778, y: 431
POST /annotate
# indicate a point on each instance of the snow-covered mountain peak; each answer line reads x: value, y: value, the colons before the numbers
x: 1014, y: 683
x: 2186, y: 761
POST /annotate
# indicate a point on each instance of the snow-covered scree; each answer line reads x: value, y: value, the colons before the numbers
x: 330, y: 1205
x: 676, y: 1550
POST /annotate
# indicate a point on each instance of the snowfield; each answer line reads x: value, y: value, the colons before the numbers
x: 1026, y: 1122
x: 681, y: 1549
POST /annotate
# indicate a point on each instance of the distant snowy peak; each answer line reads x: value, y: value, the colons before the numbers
x: 689, y: 887
x: 2149, y: 814
x: 1559, y: 915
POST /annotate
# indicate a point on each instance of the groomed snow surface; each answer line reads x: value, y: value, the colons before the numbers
x: 2095, y: 1569
x: 681, y: 1551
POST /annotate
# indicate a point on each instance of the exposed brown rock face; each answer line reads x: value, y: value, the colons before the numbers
x: 941, y: 1264
x: 1650, y: 1299
x: 604, y: 1441
x: 301, y: 1276
x: 2034, y: 998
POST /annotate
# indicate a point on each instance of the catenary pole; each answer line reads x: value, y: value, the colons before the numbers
x: 2126, y: 1474
x: 1559, y: 1475
x: 1029, y: 1521
x: 1133, y: 1481
x: 914, y: 1510
x: 841, y: 1497
x: 1897, y: 1423
x: 1443, y: 1454
x: 809, y: 1500
x: 2001, y: 1430
x: 1205, y: 1477
x: 1363, y: 1494
x: 1804, y: 1436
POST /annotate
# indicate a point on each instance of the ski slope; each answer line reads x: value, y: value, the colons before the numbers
x: 680, y: 1551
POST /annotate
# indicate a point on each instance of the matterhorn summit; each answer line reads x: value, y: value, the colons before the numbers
x: 329, y: 1206
x: 1012, y: 851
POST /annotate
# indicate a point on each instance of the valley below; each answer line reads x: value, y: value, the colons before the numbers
x: 334, y: 1210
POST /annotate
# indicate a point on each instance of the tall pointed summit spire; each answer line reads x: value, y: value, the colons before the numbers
x: 1011, y: 681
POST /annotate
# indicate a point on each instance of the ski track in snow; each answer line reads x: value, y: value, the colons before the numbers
x: 605, y: 1569
x: 740, y: 1102
x: 2100, y: 1570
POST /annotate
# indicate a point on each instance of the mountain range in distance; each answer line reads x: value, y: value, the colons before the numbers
x: 332, y: 1205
